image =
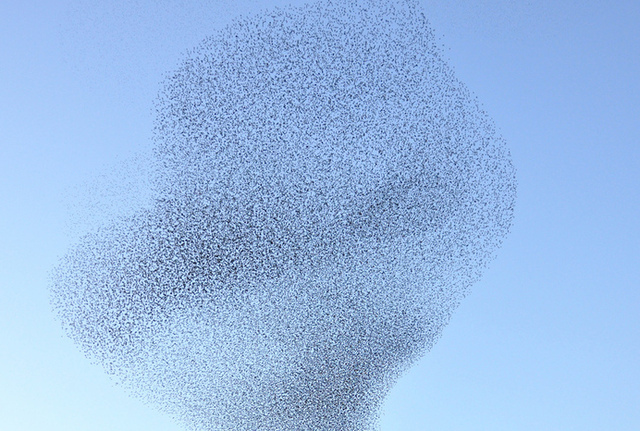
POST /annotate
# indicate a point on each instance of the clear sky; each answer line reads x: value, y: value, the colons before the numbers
x: 548, y: 340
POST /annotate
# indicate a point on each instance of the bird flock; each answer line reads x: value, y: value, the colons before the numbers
x: 325, y: 192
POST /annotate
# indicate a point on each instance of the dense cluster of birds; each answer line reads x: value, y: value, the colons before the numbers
x: 325, y: 193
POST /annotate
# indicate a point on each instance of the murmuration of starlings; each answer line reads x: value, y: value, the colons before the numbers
x: 326, y: 192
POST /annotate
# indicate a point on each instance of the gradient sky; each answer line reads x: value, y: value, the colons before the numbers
x: 548, y: 340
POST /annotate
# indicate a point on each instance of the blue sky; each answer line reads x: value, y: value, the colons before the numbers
x: 549, y: 339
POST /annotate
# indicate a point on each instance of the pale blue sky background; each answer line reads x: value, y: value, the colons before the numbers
x: 549, y: 340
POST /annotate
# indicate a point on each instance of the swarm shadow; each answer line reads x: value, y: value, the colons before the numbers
x: 326, y: 192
